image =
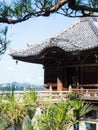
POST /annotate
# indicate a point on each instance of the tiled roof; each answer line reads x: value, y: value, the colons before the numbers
x: 82, y: 35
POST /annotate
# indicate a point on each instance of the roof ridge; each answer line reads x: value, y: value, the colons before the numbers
x: 88, y: 18
x: 92, y: 22
x: 80, y: 36
x: 67, y: 28
x: 55, y: 35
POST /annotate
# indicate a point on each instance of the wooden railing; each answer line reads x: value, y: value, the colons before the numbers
x: 95, y: 86
x: 86, y: 94
x: 52, y: 95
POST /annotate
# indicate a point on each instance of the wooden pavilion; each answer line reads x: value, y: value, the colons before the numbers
x: 69, y: 58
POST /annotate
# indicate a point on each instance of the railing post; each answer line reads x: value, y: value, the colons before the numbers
x: 70, y: 88
x: 50, y: 87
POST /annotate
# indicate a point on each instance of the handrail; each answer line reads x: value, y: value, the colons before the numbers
x: 89, y: 94
x: 88, y: 85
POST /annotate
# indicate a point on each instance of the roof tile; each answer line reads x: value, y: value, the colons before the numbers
x: 80, y: 36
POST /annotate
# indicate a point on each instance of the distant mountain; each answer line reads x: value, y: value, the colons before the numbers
x: 20, y: 86
x: 17, y: 84
x: 14, y: 84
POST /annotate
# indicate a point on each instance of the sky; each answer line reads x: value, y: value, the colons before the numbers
x: 32, y: 31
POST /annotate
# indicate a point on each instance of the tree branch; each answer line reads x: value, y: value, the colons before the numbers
x: 46, y: 11
x: 72, y: 5
x: 58, y: 5
x: 26, y: 17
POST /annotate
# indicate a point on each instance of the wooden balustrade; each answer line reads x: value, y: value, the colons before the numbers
x: 88, y: 86
x: 86, y: 94
x: 52, y: 95
x: 90, y: 95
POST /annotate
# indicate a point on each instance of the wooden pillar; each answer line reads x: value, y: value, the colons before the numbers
x: 59, y: 84
x: 97, y: 73
x: 81, y: 75
x: 65, y: 79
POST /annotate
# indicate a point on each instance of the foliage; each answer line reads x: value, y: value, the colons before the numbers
x: 21, y: 10
x: 3, y: 40
x: 27, y: 125
x: 74, y: 96
x: 20, y: 112
x: 64, y: 114
x: 16, y: 11
x: 80, y: 109
x: 14, y: 109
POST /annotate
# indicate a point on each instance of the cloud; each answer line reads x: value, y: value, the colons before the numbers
x: 10, y: 68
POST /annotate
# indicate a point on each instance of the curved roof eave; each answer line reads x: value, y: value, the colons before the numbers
x: 80, y: 36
